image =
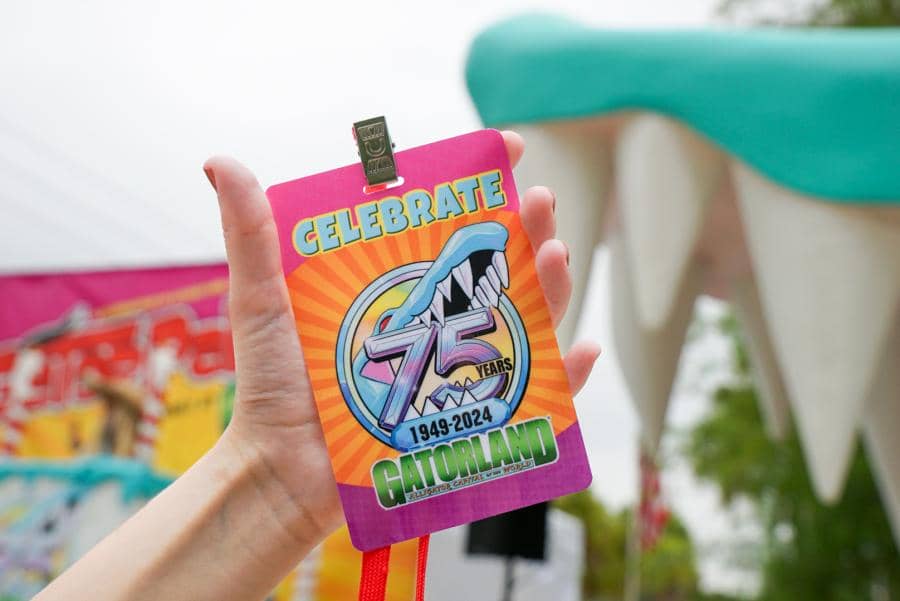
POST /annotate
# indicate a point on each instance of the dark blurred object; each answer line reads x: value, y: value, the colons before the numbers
x: 821, y: 13
x: 521, y: 533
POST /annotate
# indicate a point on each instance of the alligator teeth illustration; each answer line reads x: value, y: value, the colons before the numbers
x: 445, y: 287
x: 482, y: 296
x: 437, y: 308
x: 493, y: 297
x: 498, y: 261
x: 462, y: 273
x: 486, y: 270
x: 494, y: 279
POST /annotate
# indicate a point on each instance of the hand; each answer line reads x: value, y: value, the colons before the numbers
x: 275, y: 424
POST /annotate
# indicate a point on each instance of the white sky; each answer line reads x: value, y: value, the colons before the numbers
x: 108, y: 109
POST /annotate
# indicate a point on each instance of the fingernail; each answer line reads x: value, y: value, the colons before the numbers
x: 211, y: 176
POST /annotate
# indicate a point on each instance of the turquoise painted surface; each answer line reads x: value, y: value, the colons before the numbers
x: 136, y: 479
x: 815, y: 110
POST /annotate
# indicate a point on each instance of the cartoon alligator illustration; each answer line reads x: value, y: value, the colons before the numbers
x: 469, y: 275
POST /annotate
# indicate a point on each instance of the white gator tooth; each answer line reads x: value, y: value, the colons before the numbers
x: 665, y: 179
x: 498, y: 261
x: 437, y: 308
x: 467, y: 398
x: 481, y: 296
x: 475, y: 304
x: 648, y: 358
x: 485, y: 285
x: 574, y: 160
x: 429, y: 408
x: 773, y: 398
x: 829, y: 288
x: 463, y: 275
x: 494, y: 279
x: 444, y: 286
x: 468, y: 382
x: 425, y: 317
x: 882, y: 415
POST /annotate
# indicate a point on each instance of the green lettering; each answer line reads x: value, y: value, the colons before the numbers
x: 499, y: 451
x: 519, y: 447
x: 445, y: 463
x: 388, y: 486
x: 465, y: 460
x: 483, y: 464
x: 424, y: 459
x: 412, y: 479
x: 543, y: 443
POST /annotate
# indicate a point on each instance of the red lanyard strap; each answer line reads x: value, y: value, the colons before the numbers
x: 373, y: 581
x: 421, y: 564
x: 375, y: 565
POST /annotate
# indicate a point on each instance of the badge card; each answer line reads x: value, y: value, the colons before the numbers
x: 433, y: 360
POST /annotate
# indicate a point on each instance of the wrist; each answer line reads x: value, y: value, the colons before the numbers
x: 263, y: 470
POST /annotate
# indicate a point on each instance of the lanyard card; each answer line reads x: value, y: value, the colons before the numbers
x: 429, y: 345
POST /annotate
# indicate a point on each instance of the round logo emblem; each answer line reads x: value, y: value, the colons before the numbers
x: 436, y: 350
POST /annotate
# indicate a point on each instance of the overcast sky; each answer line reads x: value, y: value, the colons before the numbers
x: 109, y: 108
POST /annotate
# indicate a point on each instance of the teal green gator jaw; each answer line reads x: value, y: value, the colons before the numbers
x: 814, y: 110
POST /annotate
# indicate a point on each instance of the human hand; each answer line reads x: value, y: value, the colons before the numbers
x: 275, y: 426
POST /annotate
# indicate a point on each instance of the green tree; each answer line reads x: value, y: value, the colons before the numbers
x: 829, y: 13
x: 841, y: 552
x: 668, y: 571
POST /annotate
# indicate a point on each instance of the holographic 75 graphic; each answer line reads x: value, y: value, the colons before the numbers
x: 435, y: 350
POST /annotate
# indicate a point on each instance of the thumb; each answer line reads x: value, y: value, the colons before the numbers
x: 258, y: 291
x: 268, y: 359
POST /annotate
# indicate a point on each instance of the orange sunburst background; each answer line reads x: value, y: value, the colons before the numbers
x: 323, y: 288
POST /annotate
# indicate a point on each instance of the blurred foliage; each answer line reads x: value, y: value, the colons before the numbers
x: 668, y: 571
x: 827, y: 13
x: 811, y: 551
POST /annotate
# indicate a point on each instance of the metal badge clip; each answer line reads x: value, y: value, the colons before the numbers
x: 376, y: 151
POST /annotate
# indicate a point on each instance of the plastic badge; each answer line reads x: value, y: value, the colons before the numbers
x: 429, y: 345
